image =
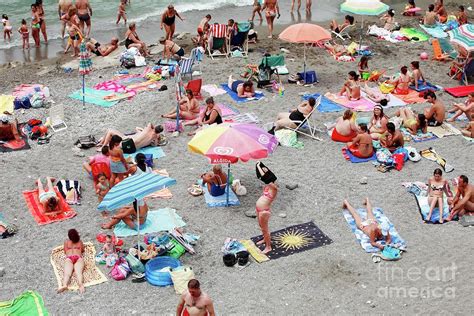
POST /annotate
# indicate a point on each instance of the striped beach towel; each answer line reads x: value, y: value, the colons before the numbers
x: 70, y: 190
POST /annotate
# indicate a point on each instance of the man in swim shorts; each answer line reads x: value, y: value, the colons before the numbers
x: 463, y: 202
x: 63, y: 9
x: 194, y: 302
x: 392, y: 138
x: 148, y: 136
x: 437, y: 112
x: 84, y: 13
x: 102, y: 50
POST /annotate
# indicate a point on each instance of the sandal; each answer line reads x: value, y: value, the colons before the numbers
x: 163, y: 141
x: 195, y: 190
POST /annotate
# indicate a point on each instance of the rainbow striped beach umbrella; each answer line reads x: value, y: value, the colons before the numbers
x: 463, y: 36
x: 364, y: 7
x: 85, y: 67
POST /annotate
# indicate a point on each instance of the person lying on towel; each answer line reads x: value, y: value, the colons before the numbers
x: 129, y: 215
x: 214, y: 183
x: 361, y: 146
x: 369, y: 226
x: 463, y: 203
x: 148, y: 136
x: 9, y: 129
x: 392, y: 138
x: 294, y: 118
x: 345, y: 128
x: 244, y: 89
x: 48, y: 199
x: 413, y: 122
x: 102, y: 50
x: 437, y: 112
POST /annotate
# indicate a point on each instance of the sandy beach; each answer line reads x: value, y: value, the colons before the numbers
x: 433, y: 277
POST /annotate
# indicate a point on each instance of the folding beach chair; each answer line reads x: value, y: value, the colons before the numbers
x: 307, y: 126
x: 186, y: 63
x: 56, y: 116
x: 216, y: 45
x: 344, y: 33
x: 269, y: 65
x: 239, y: 40
x: 440, y: 54
x: 462, y: 69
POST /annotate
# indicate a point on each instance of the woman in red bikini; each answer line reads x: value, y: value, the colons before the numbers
x: 402, y: 82
x: 264, y: 203
x: 73, y: 248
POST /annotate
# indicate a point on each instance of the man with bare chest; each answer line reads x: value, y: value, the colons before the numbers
x: 194, y: 302
x: 84, y: 12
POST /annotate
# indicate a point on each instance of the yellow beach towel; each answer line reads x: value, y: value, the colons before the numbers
x: 6, y: 103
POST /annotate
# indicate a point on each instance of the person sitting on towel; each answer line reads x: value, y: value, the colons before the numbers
x: 129, y: 215
x: 441, y: 11
x: 369, y: 226
x: 48, y: 199
x: 430, y: 16
x: 378, y: 122
x: 102, y: 157
x: 463, y: 202
x: 417, y: 76
x: 345, y: 128
x: 102, y: 50
x: 294, y: 118
x: 402, y: 83
x: 9, y: 130
x: 217, y: 170
x: 466, y: 108
x: 351, y: 88
x: 214, y: 184
x: 148, y: 136
x: 188, y: 108
x: 392, y: 138
x: 413, y: 122
x: 171, y: 49
x: 436, y: 113
x: 361, y: 146
x: 244, y: 89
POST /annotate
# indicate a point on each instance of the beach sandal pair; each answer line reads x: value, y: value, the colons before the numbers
x: 43, y: 140
x: 195, y: 190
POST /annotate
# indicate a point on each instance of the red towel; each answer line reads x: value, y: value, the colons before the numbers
x: 335, y: 136
x: 36, y: 208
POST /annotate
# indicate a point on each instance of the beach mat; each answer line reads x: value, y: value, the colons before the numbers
x: 411, y: 32
x: 424, y: 209
x: 460, y: 91
x: 94, y: 96
x: 6, y: 103
x: 29, y: 303
x: 432, y: 155
x: 12, y: 145
x: 361, y: 105
x: 384, y: 222
x: 411, y: 98
x: 36, y: 208
x: 393, y: 102
x: 443, y: 130
x: 424, y: 86
x: 157, y: 152
x: 236, y: 98
x: 294, y: 239
x: 350, y: 157
x: 326, y: 105
x: 213, y: 90
x: 419, y: 137
x: 226, y: 110
x: 221, y: 200
x: 165, y: 219
x: 435, y: 31
x: 92, y: 275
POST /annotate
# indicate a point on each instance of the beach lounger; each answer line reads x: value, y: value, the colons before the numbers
x: 216, y: 45
x: 308, y: 125
x: 344, y: 33
x: 239, y: 40
x: 438, y: 52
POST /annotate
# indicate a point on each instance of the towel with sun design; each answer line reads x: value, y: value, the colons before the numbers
x: 294, y: 239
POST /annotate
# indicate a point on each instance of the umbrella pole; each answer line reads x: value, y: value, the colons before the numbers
x: 361, y: 31
x: 137, y: 210
x: 228, y: 184
x: 83, y: 92
x: 304, y: 62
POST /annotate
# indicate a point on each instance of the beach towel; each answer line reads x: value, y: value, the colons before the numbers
x: 236, y: 98
x: 349, y: 156
x: 225, y: 109
x: 294, y: 239
x: 288, y: 138
x: 411, y: 32
x: 13, y: 145
x: 213, y: 90
x: 384, y: 222
x: 460, y: 91
x: 157, y: 152
x: 243, y: 118
x: 29, y: 303
x: 424, y: 86
x: 325, y: 105
x: 161, y: 194
x: 26, y: 90
x: 393, y: 102
x: 419, y: 137
x: 411, y: 98
x: 461, y: 118
x: 443, y: 130
x: 6, y: 103
x: 432, y: 155
x: 363, y: 104
x: 91, y: 274
x: 36, y: 208
x: 70, y: 190
x: 435, y: 31
x: 221, y: 200
x: 424, y: 209
x: 96, y: 97
x: 165, y: 219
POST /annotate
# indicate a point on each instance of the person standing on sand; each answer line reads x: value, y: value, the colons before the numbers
x: 271, y: 11
x: 63, y: 9
x: 293, y: 5
x: 35, y: 25
x: 84, y: 12
x: 42, y: 22
x: 194, y: 302
x: 168, y: 21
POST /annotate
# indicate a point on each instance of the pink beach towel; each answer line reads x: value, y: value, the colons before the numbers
x: 363, y: 104
x: 213, y: 90
x: 225, y: 109
x: 25, y: 90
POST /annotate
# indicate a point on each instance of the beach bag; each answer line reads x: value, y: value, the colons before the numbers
x: 37, y: 100
x: 22, y: 103
x: 390, y: 253
x: 238, y: 188
x: 264, y: 75
x: 128, y: 146
x: 177, y: 250
x: 181, y: 276
x: 268, y: 176
x: 121, y: 270
x: 85, y: 142
x: 135, y: 265
x: 383, y: 155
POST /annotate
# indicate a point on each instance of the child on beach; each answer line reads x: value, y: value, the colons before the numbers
x: 121, y: 12
x: 25, y: 34
x: 102, y: 186
x: 409, y: 8
x: 75, y: 37
x: 7, y: 28
x: 364, y: 68
x: 110, y: 253
x: 257, y: 8
x: 118, y: 164
x: 461, y: 16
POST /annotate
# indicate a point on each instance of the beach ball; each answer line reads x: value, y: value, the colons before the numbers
x: 424, y: 56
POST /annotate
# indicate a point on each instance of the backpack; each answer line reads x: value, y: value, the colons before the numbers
x: 85, y: 142
x: 135, y: 265
x: 121, y: 270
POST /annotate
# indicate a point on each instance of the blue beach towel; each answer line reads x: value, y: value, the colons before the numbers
x: 435, y: 31
x: 157, y: 152
x: 424, y: 208
x: 94, y: 96
x: 326, y: 105
x: 165, y: 219
x: 347, y: 153
x: 424, y: 86
x: 221, y: 200
x: 236, y: 98
x: 384, y: 222
x: 419, y: 137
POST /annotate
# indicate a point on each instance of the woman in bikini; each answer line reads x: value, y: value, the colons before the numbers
x: 345, y: 129
x: 35, y: 25
x: 369, y: 226
x: 418, y: 77
x: 361, y: 146
x: 437, y: 186
x: 271, y: 11
x: 351, y: 88
x: 413, y: 122
x: 132, y: 40
x: 48, y: 199
x: 211, y: 115
x: 402, y: 82
x: 244, y: 89
x: 74, y: 263
x: 214, y: 184
x: 378, y: 123
x: 188, y: 108
x: 168, y: 21
x: 42, y: 22
x: 171, y: 49
x: 294, y: 118
x: 129, y: 215
x: 263, y: 207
